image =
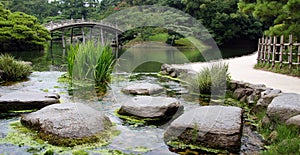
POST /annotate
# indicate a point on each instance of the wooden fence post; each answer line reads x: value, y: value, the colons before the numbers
x: 274, y: 51
x: 281, y: 50
x: 290, y: 51
x: 259, y: 50
x: 269, y: 49
x: 265, y: 48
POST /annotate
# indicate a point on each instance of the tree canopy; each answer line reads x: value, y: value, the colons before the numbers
x: 20, y: 31
x: 279, y: 17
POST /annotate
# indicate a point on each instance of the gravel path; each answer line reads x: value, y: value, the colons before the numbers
x: 241, y: 69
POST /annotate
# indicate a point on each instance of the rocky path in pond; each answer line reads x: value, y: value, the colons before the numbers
x: 241, y: 69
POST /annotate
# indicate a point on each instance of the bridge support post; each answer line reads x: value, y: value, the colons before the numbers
x: 83, y: 36
x: 91, y: 33
x: 101, y: 35
x: 71, y: 36
x: 51, y: 48
x: 63, y: 42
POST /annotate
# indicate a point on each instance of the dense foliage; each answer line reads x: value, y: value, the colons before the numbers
x: 279, y: 17
x: 19, y: 31
x: 13, y: 70
x: 226, y: 20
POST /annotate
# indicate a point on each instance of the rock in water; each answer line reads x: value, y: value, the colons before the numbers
x: 284, y: 107
x: 150, y: 107
x: 143, y: 89
x: 20, y: 100
x: 216, y: 128
x: 68, y: 124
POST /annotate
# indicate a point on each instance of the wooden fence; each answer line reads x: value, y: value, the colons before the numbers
x: 275, y: 50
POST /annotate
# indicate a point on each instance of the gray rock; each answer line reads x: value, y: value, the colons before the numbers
x: 217, y: 127
x: 284, y: 107
x: 143, y: 89
x: 150, y: 107
x: 59, y: 124
x: 240, y: 93
x: 294, y: 121
x: 20, y: 100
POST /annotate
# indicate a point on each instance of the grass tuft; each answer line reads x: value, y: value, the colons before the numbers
x: 13, y: 70
x: 90, y: 63
x: 216, y: 76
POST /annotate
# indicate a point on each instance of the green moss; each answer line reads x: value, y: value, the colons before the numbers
x: 22, y: 136
x: 181, y: 145
x: 140, y: 149
x: 135, y: 121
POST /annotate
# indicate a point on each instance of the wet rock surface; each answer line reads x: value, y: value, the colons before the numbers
x: 216, y: 127
x: 67, y: 124
x: 143, y: 89
x: 26, y: 100
x: 150, y: 107
x: 284, y: 107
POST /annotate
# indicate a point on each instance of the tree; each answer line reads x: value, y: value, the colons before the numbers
x: 223, y: 19
x: 19, y: 31
x: 279, y: 17
x: 38, y: 8
x: 77, y: 9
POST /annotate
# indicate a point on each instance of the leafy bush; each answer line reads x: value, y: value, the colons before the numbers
x: 216, y: 76
x: 90, y: 63
x: 12, y: 69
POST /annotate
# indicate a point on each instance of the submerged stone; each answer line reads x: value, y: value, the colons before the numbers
x: 21, y: 100
x: 214, y: 128
x: 143, y: 89
x: 159, y: 108
x: 68, y: 124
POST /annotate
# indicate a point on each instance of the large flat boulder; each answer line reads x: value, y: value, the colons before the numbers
x: 215, y: 128
x: 284, y: 107
x: 68, y: 124
x: 143, y: 89
x: 20, y: 100
x: 162, y: 108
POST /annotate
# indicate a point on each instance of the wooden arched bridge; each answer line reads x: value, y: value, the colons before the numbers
x: 100, y: 31
x: 102, y: 27
x: 65, y: 24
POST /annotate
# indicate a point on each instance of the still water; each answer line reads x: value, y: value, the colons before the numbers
x: 134, y: 59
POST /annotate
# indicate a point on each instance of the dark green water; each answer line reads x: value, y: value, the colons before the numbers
x: 135, y: 59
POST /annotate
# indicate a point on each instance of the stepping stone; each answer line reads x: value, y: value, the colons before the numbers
x: 143, y: 89
x: 284, y: 107
x: 209, y: 128
x: 150, y: 107
x: 68, y: 124
x: 20, y: 100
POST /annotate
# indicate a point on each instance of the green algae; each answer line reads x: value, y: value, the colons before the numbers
x: 140, y: 149
x: 22, y: 136
x: 134, y: 120
x: 177, y: 144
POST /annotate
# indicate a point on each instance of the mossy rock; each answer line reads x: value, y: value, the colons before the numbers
x: 68, y: 124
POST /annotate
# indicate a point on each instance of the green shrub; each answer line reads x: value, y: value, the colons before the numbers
x: 90, y: 63
x: 12, y: 69
x: 216, y: 76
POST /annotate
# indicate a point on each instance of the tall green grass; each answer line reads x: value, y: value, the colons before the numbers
x: 216, y: 76
x: 13, y: 70
x: 90, y: 62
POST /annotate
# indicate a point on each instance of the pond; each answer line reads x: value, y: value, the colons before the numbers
x: 146, y: 140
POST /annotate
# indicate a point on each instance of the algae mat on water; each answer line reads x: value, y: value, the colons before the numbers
x: 23, y: 137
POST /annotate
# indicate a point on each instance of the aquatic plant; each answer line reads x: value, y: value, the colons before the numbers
x: 216, y: 76
x: 91, y: 63
x: 12, y: 69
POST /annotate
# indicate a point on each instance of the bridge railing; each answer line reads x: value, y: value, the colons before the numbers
x: 56, y: 24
